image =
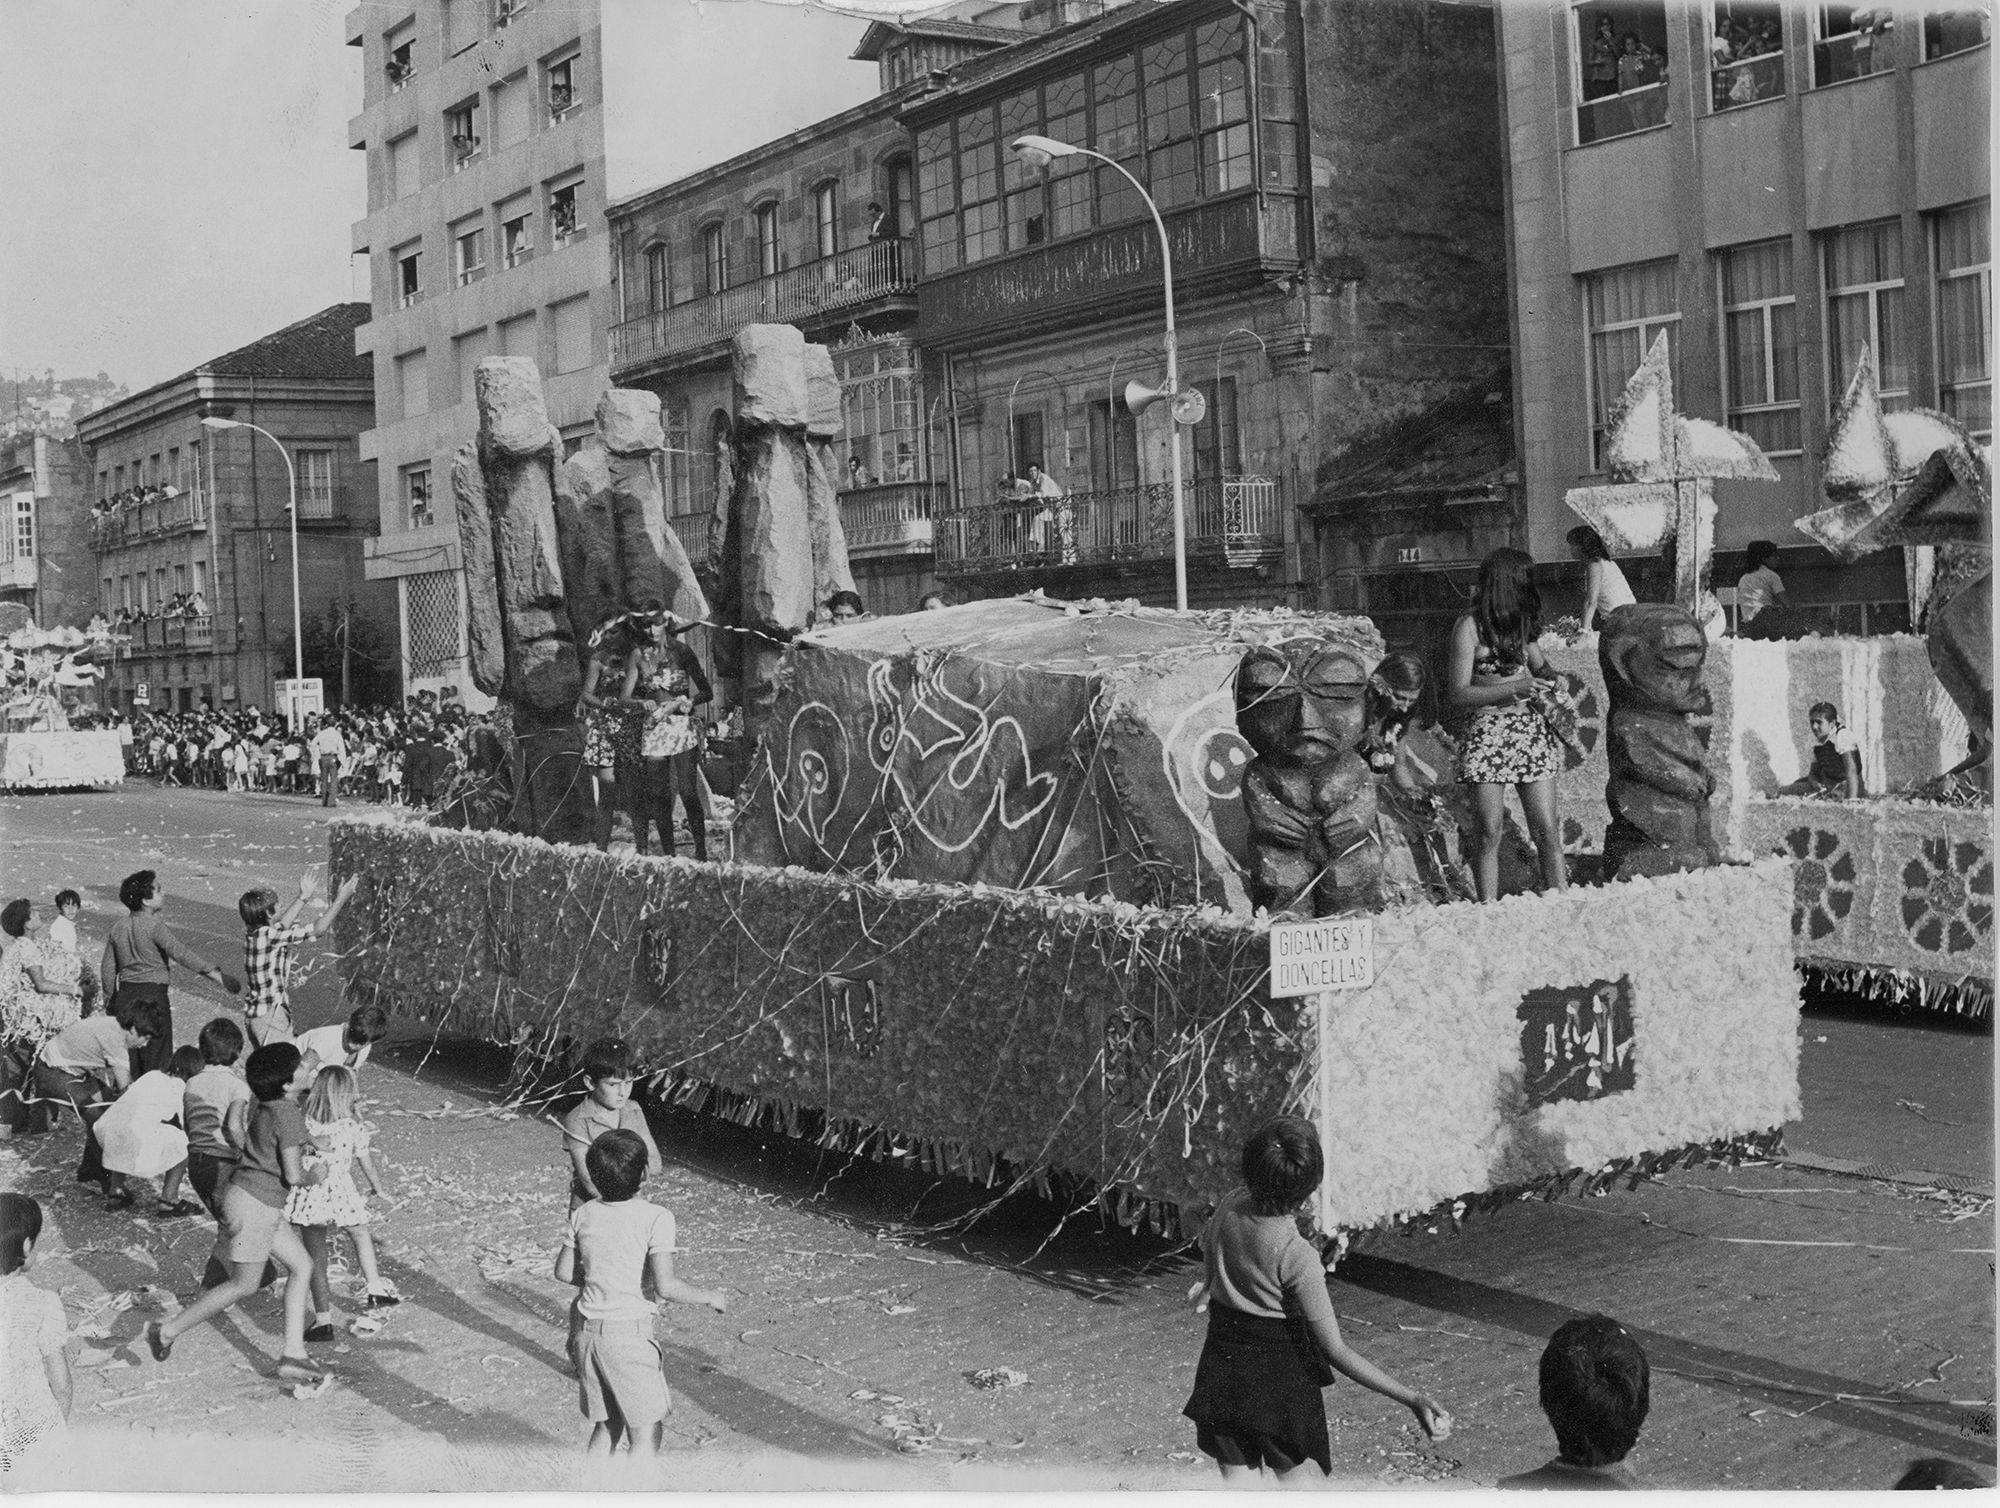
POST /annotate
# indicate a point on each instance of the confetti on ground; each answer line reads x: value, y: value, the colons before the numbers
x: 365, y: 1325
x: 305, y: 1391
x: 997, y: 1377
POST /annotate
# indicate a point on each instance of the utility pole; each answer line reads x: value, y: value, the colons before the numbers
x: 346, y: 650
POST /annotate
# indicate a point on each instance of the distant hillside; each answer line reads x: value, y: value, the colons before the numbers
x: 45, y: 404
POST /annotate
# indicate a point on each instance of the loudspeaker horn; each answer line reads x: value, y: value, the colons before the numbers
x: 1139, y: 397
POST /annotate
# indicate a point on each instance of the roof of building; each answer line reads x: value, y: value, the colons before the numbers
x: 319, y: 346
x: 881, y: 33
x: 1463, y: 444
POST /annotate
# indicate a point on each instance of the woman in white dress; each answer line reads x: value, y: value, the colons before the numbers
x: 1604, y: 585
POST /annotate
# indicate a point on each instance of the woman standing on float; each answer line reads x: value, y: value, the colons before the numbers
x: 611, y: 724
x: 666, y: 675
x: 1494, y: 673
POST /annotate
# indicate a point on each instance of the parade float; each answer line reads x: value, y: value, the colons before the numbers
x: 1008, y: 880
x: 40, y: 671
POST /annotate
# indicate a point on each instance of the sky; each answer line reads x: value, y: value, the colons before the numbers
x: 178, y: 181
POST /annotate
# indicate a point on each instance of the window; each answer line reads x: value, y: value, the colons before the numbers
x: 1863, y: 272
x: 1026, y: 449
x: 24, y: 526
x: 902, y: 196
x: 655, y: 258
x: 1222, y: 106
x: 180, y: 580
x: 125, y: 591
x: 468, y: 251
x: 1760, y: 353
x: 677, y: 481
x: 826, y: 218
x: 561, y: 81
x: 506, y: 12
x: 1964, y: 314
x: 1746, y: 53
x: 1627, y: 307
x: 1850, y: 42
x: 400, y: 63
x: 898, y: 68
x: 882, y: 411
x: 1066, y: 107
x: 413, y: 382
x: 1115, y: 90
x: 979, y: 187
x: 417, y: 495
x: 513, y: 111
x: 564, y: 225
x: 468, y: 350
x: 1218, y: 449
x: 118, y: 477
x: 431, y: 632
x: 767, y: 240
x: 160, y: 585
x: 1619, y: 49
x: 714, y: 260
x: 1114, y: 446
x: 409, y: 276
x: 572, y: 328
x: 518, y: 338
x: 405, y: 174
x: 107, y: 602
x: 461, y: 133
x: 516, y: 244
x: 315, y: 469
x: 1026, y: 191
x: 1171, y: 173
x: 1956, y: 29
x: 937, y: 201
x: 103, y: 486
x: 201, y: 577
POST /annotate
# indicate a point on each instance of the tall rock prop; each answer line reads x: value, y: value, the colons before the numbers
x: 1651, y: 654
x: 522, y: 643
x: 618, y: 550
x: 781, y: 546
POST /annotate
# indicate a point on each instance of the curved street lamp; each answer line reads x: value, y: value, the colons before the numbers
x: 292, y: 489
x: 1039, y: 152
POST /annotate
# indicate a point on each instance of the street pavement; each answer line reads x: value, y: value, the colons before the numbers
x: 1808, y: 1328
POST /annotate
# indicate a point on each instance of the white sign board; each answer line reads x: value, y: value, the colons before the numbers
x: 1308, y: 957
x: 299, y: 700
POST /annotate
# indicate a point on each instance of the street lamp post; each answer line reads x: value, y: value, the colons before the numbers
x: 292, y: 492
x: 1039, y: 151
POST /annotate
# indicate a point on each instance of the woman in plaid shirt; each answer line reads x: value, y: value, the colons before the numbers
x: 267, y: 953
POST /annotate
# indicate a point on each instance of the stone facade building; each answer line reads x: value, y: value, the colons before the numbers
x: 223, y: 534
x: 482, y: 121
x: 1772, y: 186
x: 45, y: 559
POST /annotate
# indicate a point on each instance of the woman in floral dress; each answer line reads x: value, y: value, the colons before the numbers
x: 611, y: 724
x: 665, y: 673
x: 1494, y: 676
x: 41, y: 992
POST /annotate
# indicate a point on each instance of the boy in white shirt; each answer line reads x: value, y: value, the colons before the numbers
x: 62, y: 931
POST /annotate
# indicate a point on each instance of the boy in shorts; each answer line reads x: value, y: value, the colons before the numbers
x: 608, y: 1072
x: 614, y: 1243
x: 253, y: 1225
x: 215, y: 1110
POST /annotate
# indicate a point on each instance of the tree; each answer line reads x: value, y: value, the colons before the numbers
x: 344, y: 631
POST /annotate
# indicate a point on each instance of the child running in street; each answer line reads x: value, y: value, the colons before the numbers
x: 333, y: 1119
x: 1273, y: 1339
x: 253, y: 1226
x: 614, y: 1243
x: 35, y: 1386
x: 607, y: 1106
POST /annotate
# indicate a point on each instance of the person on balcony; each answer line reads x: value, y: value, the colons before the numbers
x: 878, y: 222
x: 857, y: 474
x: 1053, y: 530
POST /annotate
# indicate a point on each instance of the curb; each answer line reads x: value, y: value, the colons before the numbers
x: 1883, y: 1172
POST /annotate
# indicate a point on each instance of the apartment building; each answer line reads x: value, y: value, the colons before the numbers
x: 1774, y: 187
x: 482, y: 121
x: 190, y: 530
x: 45, y: 559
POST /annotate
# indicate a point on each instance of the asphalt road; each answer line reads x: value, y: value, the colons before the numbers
x: 1806, y: 1328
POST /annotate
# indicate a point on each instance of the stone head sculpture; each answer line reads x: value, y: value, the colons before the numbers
x: 1651, y: 654
x: 1301, y: 702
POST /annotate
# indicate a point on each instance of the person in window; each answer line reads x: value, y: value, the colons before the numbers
x: 1600, y: 69
x: 857, y: 474
x: 1632, y: 67
x: 1759, y: 586
x: 878, y: 222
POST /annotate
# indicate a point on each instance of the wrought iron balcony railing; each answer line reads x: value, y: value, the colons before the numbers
x: 167, y: 516
x: 1234, y: 521
x: 893, y: 518
x: 846, y: 280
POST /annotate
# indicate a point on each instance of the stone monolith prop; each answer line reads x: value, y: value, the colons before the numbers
x: 1651, y: 654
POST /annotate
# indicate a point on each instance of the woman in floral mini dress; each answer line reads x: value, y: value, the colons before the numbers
x: 1494, y: 677
x: 611, y: 724
x: 665, y: 673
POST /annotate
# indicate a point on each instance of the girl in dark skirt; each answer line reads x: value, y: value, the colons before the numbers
x: 1273, y: 1341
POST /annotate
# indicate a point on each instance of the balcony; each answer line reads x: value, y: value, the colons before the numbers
x: 1217, y: 245
x: 893, y: 519
x: 1234, y: 522
x: 173, y: 515
x: 841, y: 283
x: 20, y: 573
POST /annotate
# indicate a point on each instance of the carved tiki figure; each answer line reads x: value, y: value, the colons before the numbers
x: 1308, y: 796
x: 1651, y: 654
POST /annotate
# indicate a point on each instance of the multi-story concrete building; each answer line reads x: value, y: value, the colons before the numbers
x: 45, y: 559
x: 483, y: 123
x: 214, y: 526
x: 1773, y: 186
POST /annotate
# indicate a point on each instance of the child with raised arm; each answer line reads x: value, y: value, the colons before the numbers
x: 1272, y: 1333
x: 268, y: 941
x: 615, y: 1242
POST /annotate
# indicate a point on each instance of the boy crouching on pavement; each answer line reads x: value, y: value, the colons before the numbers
x: 618, y: 1239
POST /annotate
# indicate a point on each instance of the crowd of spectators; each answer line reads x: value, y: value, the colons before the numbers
x: 411, y: 755
x: 181, y: 605
x: 132, y: 497
x: 1741, y: 42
